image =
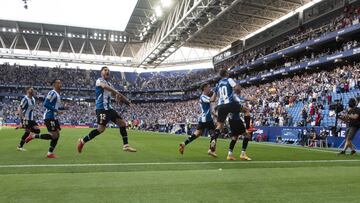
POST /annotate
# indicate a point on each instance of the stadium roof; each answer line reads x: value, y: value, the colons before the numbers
x: 234, y: 20
x: 154, y: 31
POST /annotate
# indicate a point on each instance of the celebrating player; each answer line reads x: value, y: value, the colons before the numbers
x: 237, y: 128
x: 205, y: 120
x: 104, y: 111
x: 25, y: 111
x: 52, y: 105
x: 225, y: 90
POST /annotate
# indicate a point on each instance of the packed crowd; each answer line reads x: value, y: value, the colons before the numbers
x: 306, y: 57
x: 349, y: 17
x: 176, y: 80
x: 80, y: 78
x: 312, y: 89
x: 269, y: 109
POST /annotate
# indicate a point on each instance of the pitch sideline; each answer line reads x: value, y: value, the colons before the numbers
x: 174, y: 163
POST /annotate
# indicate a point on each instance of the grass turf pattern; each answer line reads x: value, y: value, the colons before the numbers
x: 158, y: 173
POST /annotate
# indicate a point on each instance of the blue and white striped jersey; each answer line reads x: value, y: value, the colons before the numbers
x: 52, y: 104
x: 224, y: 89
x: 103, y: 97
x: 205, y: 115
x: 27, y: 106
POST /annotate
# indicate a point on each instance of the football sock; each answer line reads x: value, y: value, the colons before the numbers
x: 22, y: 141
x: 245, y: 144
x: 232, y: 145
x: 124, y: 135
x: 91, y: 135
x: 190, y: 139
x: 53, y: 144
x: 43, y: 136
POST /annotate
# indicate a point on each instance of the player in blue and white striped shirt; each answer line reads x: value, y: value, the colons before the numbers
x: 104, y: 91
x: 53, y: 107
x: 206, y: 121
x: 26, y: 113
x: 225, y: 91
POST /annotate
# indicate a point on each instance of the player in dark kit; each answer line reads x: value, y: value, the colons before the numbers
x: 52, y: 105
x: 205, y: 120
x: 104, y: 111
x: 237, y: 128
x: 225, y: 90
x: 25, y: 111
x: 352, y: 118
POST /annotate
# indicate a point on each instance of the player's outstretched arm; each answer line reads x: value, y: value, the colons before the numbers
x: 115, y: 93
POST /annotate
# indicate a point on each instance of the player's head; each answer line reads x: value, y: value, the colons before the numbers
x: 56, y: 83
x: 205, y: 88
x: 223, y: 73
x: 352, y: 103
x: 105, y: 72
x: 29, y: 91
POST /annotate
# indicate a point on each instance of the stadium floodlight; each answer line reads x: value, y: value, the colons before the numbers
x: 9, y: 30
x: 158, y: 11
x: 47, y: 33
x: 166, y: 3
x: 56, y: 34
x: 69, y: 35
x: 14, y: 30
x: 95, y: 34
x: 83, y: 36
x: 100, y: 35
x: 91, y: 37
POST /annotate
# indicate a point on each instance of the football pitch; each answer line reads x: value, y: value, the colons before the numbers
x: 158, y: 173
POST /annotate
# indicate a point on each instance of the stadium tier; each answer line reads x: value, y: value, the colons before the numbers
x: 179, y: 101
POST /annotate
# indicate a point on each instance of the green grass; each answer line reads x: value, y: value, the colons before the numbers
x: 158, y: 173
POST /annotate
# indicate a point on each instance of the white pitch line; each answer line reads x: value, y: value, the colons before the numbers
x: 329, y: 150
x: 175, y: 163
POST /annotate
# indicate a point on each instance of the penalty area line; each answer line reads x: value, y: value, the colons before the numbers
x: 175, y: 163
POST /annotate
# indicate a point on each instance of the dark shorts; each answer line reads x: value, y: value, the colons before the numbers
x: 207, y: 125
x: 28, y: 124
x: 52, y: 125
x: 225, y: 109
x: 104, y: 116
x: 351, y: 132
x: 237, y: 127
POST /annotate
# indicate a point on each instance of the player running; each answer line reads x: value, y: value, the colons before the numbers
x: 237, y: 128
x: 225, y: 90
x: 104, y: 111
x: 25, y: 112
x: 52, y: 105
x: 206, y: 121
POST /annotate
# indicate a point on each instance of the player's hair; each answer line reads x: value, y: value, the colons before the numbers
x: 27, y: 88
x: 202, y: 86
x: 102, y: 68
x: 54, y: 81
x: 223, y: 72
x: 352, y: 102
